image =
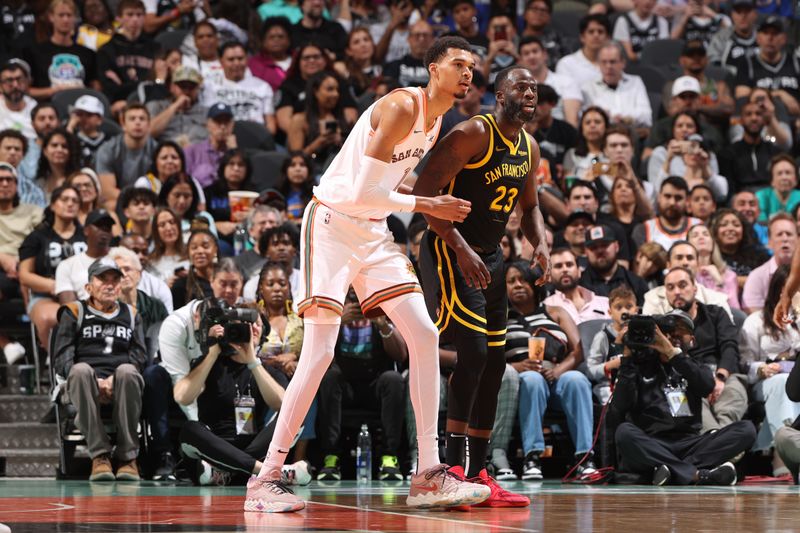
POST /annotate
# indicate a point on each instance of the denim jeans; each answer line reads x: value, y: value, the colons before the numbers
x: 571, y: 394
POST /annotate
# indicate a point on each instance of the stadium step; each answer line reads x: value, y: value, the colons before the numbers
x: 27, y: 462
x: 23, y: 407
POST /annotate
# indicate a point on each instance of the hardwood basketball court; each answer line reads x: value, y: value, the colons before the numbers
x: 31, y: 506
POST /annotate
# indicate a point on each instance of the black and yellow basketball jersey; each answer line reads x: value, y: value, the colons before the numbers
x: 493, y: 185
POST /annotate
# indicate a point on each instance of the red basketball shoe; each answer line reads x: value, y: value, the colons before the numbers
x: 500, y: 497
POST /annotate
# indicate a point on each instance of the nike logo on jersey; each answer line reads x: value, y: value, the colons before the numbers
x: 417, y: 131
x: 499, y: 149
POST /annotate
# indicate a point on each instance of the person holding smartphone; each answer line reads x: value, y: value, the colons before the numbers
x: 319, y: 131
x: 502, y: 47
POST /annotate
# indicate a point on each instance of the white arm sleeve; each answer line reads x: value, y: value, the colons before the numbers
x: 367, y: 188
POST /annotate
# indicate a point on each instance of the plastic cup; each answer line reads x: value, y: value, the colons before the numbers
x: 536, y: 348
x: 241, y: 201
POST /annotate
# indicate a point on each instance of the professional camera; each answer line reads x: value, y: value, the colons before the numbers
x: 235, y: 320
x: 642, y: 329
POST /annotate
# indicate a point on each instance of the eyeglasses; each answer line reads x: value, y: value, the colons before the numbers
x: 311, y: 57
x: 12, y: 81
x: 8, y: 179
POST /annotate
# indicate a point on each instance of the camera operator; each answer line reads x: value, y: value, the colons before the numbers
x: 229, y: 434
x: 716, y: 346
x: 179, y: 346
x: 660, y: 388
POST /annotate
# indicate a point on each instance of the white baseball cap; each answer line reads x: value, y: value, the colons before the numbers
x: 685, y: 84
x: 89, y: 104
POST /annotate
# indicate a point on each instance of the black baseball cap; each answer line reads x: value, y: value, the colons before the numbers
x: 598, y: 234
x: 99, y: 217
x: 772, y: 21
x: 693, y: 47
x: 579, y: 214
x: 749, y: 4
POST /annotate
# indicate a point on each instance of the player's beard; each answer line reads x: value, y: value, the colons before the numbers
x: 515, y: 112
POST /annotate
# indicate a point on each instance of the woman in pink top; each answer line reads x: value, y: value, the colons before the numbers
x: 712, y: 272
x: 272, y: 62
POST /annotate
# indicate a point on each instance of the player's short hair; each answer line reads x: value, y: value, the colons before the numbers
x: 440, y: 46
x: 502, y: 76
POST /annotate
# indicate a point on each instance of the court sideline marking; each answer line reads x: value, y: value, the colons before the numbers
x: 406, y: 515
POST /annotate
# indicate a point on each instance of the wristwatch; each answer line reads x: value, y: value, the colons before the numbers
x: 252, y: 365
x: 675, y: 352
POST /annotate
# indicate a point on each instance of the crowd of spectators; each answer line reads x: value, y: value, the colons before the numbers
x: 668, y: 180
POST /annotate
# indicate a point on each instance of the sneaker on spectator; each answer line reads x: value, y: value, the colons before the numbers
x: 499, y: 496
x: 330, y: 471
x: 270, y: 496
x: 390, y: 469
x: 442, y: 487
x: 211, y: 475
x: 532, y: 471
x: 587, y: 467
x: 661, y: 475
x: 13, y: 351
x: 101, y: 469
x: 296, y: 473
x: 128, y: 471
x: 165, y: 471
x: 724, y: 474
x: 502, y: 469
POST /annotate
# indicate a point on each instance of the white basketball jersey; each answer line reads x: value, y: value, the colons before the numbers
x: 335, y: 188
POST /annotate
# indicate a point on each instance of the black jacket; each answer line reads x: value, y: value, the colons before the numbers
x: 595, y: 282
x: 640, y: 395
x: 747, y: 165
x: 130, y: 60
x: 716, y: 338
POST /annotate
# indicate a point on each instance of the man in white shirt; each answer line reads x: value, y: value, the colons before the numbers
x: 682, y: 254
x: 579, y: 302
x: 72, y: 274
x: 249, y: 97
x: 582, y: 66
x: 623, y: 96
x: 533, y: 55
x: 15, y: 104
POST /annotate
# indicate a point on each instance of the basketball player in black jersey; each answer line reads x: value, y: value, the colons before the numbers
x: 491, y: 161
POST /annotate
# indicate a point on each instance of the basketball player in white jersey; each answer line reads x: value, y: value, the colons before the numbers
x: 345, y: 240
